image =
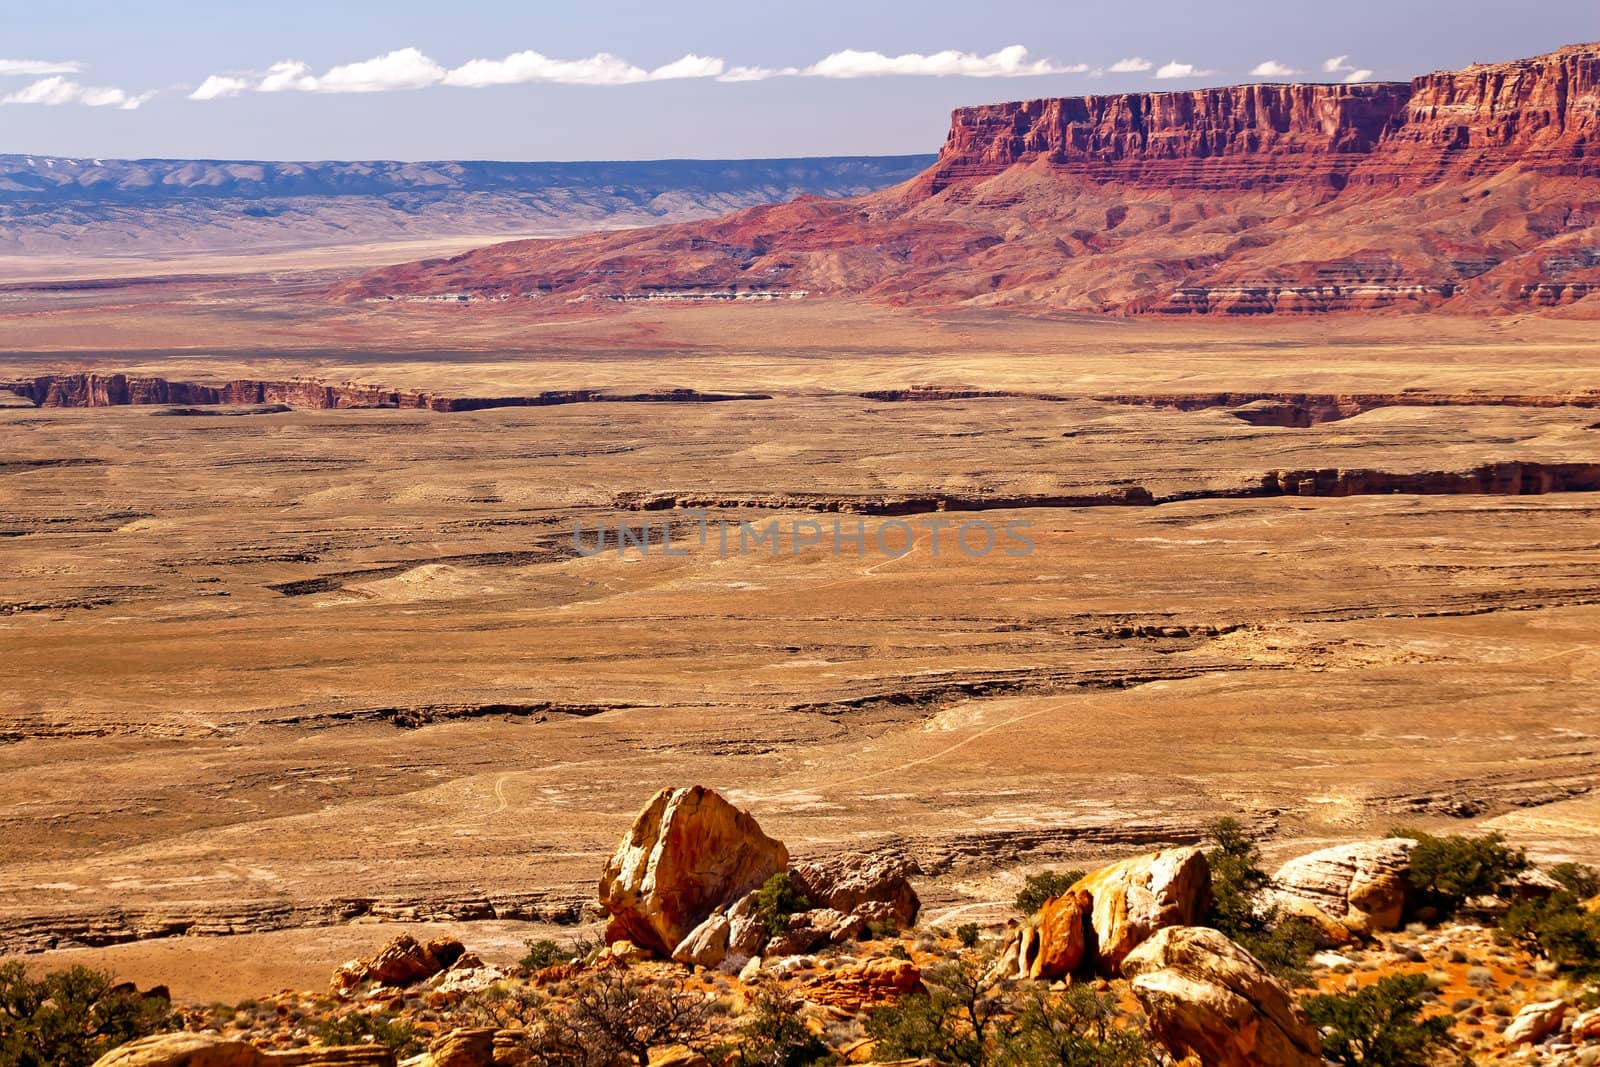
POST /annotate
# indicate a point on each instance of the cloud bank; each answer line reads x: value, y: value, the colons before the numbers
x: 55, y: 91
x: 1175, y: 70
x: 36, y: 67
x: 409, y: 68
x: 1273, y: 69
x: 1342, y: 65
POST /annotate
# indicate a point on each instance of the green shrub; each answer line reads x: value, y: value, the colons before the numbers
x: 1581, y: 881
x: 967, y: 934
x: 1071, y: 1029
x: 71, y: 1018
x: 1560, y: 929
x: 1445, y: 871
x: 1283, y: 945
x: 773, y: 1034
x: 1039, y: 889
x: 777, y: 900
x: 541, y: 954
x: 1380, y: 1025
x: 362, y: 1028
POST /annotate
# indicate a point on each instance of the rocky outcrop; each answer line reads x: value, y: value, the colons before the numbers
x: 1226, y: 138
x: 1131, y: 900
x: 1541, y: 113
x: 1206, y: 997
x: 688, y: 853
x: 846, y: 882
x: 1359, y: 887
x: 210, y: 1049
x: 401, y: 962
x: 860, y: 987
x: 1055, y: 943
x: 91, y: 389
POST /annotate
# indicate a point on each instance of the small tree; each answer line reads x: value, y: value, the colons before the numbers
x: 1039, y: 889
x: 1578, y: 879
x: 967, y: 934
x: 1380, y: 1025
x: 377, y: 1028
x: 620, y: 1016
x: 772, y: 1034
x: 71, y: 1018
x: 959, y: 1020
x: 1560, y: 929
x: 1238, y: 909
x: 1446, y: 871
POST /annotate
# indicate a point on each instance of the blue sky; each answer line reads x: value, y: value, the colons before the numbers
x: 624, y: 79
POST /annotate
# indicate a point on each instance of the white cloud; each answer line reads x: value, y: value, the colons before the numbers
x: 1273, y: 69
x: 1133, y: 65
x: 603, y: 68
x: 218, y: 86
x: 1011, y: 62
x: 1337, y: 65
x: 1175, y: 70
x: 37, y: 67
x: 405, y: 68
x: 1357, y: 76
x: 53, y: 92
x: 287, y: 75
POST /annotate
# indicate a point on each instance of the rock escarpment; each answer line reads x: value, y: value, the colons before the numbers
x: 1476, y: 190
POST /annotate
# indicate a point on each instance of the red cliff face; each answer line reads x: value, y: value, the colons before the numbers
x: 1475, y: 190
x: 1541, y: 112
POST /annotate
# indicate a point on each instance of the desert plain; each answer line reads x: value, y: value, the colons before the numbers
x: 271, y: 673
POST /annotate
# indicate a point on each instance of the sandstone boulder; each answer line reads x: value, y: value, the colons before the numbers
x: 1055, y: 943
x: 461, y: 1048
x: 182, y: 1050
x: 401, y: 962
x: 1586, y: 1027
x: 1360, y: 886
x: 688, y: 853
x: 1133, y: 899
x: 211, y: 1049
x: 1210, y: 999
x: 844, y: 883
x: 707, y: 944
x: 1535, y: 1022
x: 747, y: 930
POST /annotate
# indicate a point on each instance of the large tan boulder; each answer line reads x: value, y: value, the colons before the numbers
x: 1209, y: 999
x: 1133, y: 899
x: 688, y: 853
x: 1055, y: 943
x: 1359, y: 886
x: 182, y: 1050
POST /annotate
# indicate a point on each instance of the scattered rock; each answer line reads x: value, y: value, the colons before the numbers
x: 1586, y: 1027
x: 1133, y: 899
x: 706, y: 945
x: 1208, y: 998
x: 1535, y: 1022
x: 182, y: 1050
x: 688, y: 853
x: 862, y: 987
x: 846, y: 882
x: 401, y: 962
x: 676, y: 1056
x: 1359, y: 887
x: 461, y: 1048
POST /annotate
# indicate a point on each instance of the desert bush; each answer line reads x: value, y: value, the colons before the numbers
x: 617, y: 1016
x: 1039, y: 889
x: 1558, y: 928
x: 967, y: 934
x: 777, y: 900
x: 1076, y: 1028
x: 1580, y: 880
x: 1381, y: 1024
x: 1445, y: 871
x: 71, y: 1018
x: 541, y: 954
x: 1284, y: 945
x: 772, y: 1034
x: 369, y: 1028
